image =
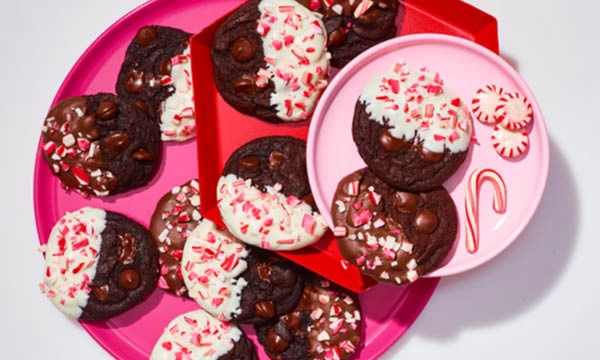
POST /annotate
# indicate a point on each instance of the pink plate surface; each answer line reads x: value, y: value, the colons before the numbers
x: 464, y: 67
x: 388, y: 311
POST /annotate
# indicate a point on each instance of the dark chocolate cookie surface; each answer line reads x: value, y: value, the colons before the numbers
x: 391, y: 235
x: 270, y: 61
x: 411, y: 130
x: 198, y: 335
x: 99, y: 264
x: 273, y: 160
x: 156, y: 75
x: 236, y: 282
x: 264, y: 196
x: 176, y: 215
x: 100, y: 144
x: 353, y: 26
x: 326, y: 324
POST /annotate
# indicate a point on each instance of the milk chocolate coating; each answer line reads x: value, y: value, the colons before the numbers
x: 296, y: 335
x: 174, y: 213
x: 426, y: 222
x: 100, y: 135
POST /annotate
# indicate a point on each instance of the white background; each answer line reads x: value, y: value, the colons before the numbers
x: 537, y: 300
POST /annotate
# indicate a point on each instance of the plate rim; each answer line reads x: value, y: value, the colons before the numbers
x: 419, y: 39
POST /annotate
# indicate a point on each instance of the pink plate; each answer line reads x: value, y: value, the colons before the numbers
x: 388, y: 311
x: 464, y: 67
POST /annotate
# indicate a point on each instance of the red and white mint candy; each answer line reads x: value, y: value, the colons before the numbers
x: 212, y: 264
x: 509, y: 143
x: 514, y: 111
x: 485, y: 102
x: 196, y: 335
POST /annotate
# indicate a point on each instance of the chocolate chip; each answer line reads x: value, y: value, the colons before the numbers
x: 146, y: 35
x: 127, y: 248
x: 250, y: 162
x: 390, y: 143
x: 117, y: 141
x: 101, y: 292
x: 275, y: 342
x: 107, y: 110
x: 275, y: 160
x: 372, y: 15
x: 142, y: 105
x: 430, y: 156
x: 134, y: 83
x: 264, y: 272
x: 141, y: 155
x: 130, y: 279
x: 425, y: 221
x: 405, y: 202
x: 283, y: 331
x: 292, y: 321
x: 336, y: 37
x: 245, y: 85
x: 264, y: 309
x: 242, y: 49
x: 165, y: 66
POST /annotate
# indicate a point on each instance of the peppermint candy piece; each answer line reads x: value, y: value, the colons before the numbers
x: 485, y: 102
x: 514, y: 111
x: 509, y: 143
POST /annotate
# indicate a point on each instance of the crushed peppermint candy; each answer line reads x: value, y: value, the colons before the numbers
x: 71, y: 259
x: 177, y: 116
x: 297, y: 61
x: 212, y: 264
x: 175, y: 216
x: 196, y: 335
x: 416, y: 103
x: 267, y: 219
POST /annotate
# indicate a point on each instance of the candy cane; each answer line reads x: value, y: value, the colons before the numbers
x: 471, y: 202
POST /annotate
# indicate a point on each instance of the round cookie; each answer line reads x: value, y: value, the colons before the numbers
x: 324, y: 325
x: 98, y: 264
x: 236, y: 282
x: 391, y: 235
x: 411, y: 130
x: 264, y: 196
x: 176, y: 215
x: 353, y: 26
x: 156, y: 74
x: 270, y: 60
x: 197, y: 335
x: 100, y: 144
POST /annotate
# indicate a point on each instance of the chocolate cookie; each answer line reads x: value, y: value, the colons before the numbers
x: 236, y: 282
x: 264, y: 196
x: 176, y: 215
x: 391, y: 235
x: 156, y: 74
x: 270, y: 60
x: 353, y: 26
x: 411, y: 130
x: 98, y: 264
x: 324, y: 325
x: 100, y: 144
x: 197, y: 335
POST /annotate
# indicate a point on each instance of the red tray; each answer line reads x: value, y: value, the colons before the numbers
x: 222, y: 129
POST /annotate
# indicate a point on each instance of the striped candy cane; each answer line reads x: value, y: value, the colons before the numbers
x: 471, y: 202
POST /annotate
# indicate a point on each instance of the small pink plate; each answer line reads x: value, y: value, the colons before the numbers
x: 464, y: 67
